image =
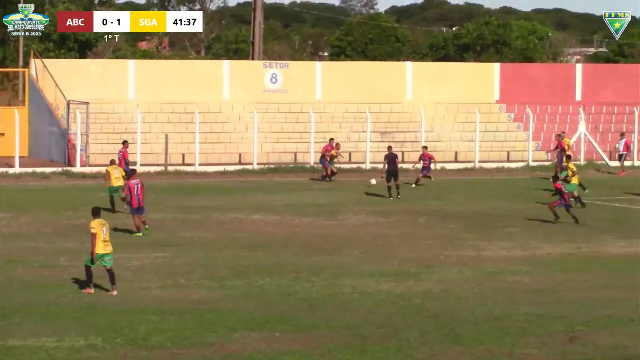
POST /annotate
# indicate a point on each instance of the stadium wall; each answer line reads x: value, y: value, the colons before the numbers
x: 298, y: 103
x: 48, y: 139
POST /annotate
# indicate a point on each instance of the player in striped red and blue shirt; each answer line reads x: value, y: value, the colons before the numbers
x: 123, y: 157
x: 427, y: 160
x: 564, y: 200
x: 325, y: 157
x: 134, y: 190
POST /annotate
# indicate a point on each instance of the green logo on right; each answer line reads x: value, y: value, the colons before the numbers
x: 617, y: 21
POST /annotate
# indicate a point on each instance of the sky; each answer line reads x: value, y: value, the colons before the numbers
x: 587, y: 6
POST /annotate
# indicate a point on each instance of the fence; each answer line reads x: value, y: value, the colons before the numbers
x: 254, y: 138
x: 594, y: 130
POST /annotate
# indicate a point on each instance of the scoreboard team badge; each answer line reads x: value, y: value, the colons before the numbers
x: 25, y: 22
x: 617, y: 21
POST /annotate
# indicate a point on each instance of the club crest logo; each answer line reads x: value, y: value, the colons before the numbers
x: 617, y: 21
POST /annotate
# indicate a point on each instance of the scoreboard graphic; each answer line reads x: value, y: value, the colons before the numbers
x: 130, y: 21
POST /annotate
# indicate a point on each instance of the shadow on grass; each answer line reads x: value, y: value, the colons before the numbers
x: 630, y: 193
x: 82, y: 284
x: 370, y: 194
x: 541, y: 203
x: 544, y: 221
x: 609, y: 172
x: 123, y: 231
x: 547, y: 190
x: 111, y: 211
x: 410, y: 183
x: 544, y: 177
x: 316, y: 179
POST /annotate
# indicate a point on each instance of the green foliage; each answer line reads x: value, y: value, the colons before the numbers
x: 626, y: 51
x: 490, y: 40
x: 373, y: 37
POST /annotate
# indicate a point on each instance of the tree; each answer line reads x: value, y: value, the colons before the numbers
x: 359, y: 7
x: 491, y: 40
x: 230, y: 45
x: 626, y: 51
x: 374, y: 37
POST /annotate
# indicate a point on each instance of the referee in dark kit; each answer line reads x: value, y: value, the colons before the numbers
x: 390, y: 169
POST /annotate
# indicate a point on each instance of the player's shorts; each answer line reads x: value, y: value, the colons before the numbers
x: 392, y: 174
x: 104, y: 259
x: 116, y: 190
x: 563, y: 204
x: 571, y: 187
x: 137, y: 210
x: 332, y: 166
x: 426, y: 170
x: 560, y: 160
x: 622, y: 157
x: 324, y: 162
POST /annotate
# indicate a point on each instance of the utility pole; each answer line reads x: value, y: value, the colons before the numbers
x: 257, y: 26
x: 21, y: 65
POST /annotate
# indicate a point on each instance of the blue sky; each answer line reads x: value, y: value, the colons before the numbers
x: 588, y: 6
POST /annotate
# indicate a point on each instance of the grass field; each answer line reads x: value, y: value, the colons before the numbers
x: 457, y: 269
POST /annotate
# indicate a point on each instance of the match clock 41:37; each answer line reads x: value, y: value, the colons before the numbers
x: 184, y: 21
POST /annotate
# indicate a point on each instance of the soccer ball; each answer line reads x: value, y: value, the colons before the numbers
x: 372, y: 181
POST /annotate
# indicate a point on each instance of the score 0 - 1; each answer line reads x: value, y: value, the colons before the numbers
x: 107, y: 37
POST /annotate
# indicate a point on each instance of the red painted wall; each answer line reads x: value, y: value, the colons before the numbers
x: 611, y: 83
x: 538, y: 83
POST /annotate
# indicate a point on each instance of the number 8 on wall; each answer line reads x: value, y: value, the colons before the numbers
x: 273, y: 79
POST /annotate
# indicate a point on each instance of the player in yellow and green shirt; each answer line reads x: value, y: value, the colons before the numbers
x: 567, y: 144
x: 101, y: 252
x: 335, y: 154
x: 114, y: 178
x: 571, y: 175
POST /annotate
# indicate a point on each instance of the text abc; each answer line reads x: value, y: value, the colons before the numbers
x: 148, y: 22
x: 75, y: 22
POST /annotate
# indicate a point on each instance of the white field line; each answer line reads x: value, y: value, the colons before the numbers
x: 613, y: 198
x: 619, y: 205
x: 266, y: 178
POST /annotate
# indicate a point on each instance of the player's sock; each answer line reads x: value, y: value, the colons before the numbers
x: 112, y: 202
x: 389, y: 190
x: 579, y: 199
x: 398, y: 189
x: 584, y: 188
x: 112, y: 278
x: 417, y: 181
x: 575, y: 218
x: 89, y: 276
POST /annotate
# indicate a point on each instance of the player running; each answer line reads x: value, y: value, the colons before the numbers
x: 624, y: 148
x: 101, y: 252
x: 561, y: 151
x: 123, y: 158
x: 567, y: 145
x: 427, y: 160
x: 114, y: 179
x: 324, y: 159
x: 571, y: 175
x: 134, y: 190
x: 333, y: 157
x: 563, y: 200
x: 390, y: 169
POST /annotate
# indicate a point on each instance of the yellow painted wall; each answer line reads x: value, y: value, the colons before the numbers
x: 272, y: 81
x: 178, y: 81
x: 452, y: 82
x: 91, y: 79
x: 364, y: 82
x: 8, y: 127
